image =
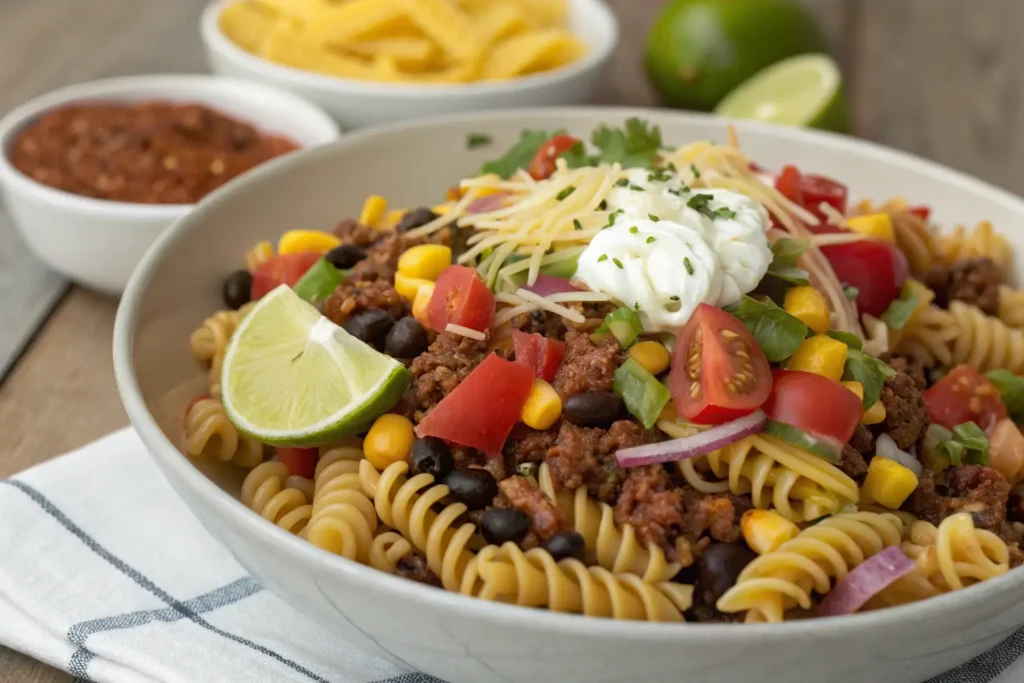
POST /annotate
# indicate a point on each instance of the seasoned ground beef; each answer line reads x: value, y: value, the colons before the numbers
x: 383, y: 247
x: 707, y: 614
x: 974, y: 281
x: 527, y: 445
x: 585, y: 456
x: 463, y: 456
x: 354, y: 296
x: 414, y: 566
x: 906, y: 417
x: 853, y: 464
x: 718, y: 514
x: 524, y: 495
x: 437, y: 371
x: 914, y: 367
x: 862, y: 441
x: 541, y: 322
x: 353, y: 232
x: 979, y: 490
x: 651, y: 504
x: 587, y: 366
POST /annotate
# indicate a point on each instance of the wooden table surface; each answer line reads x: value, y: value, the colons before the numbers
x: 936, y: 77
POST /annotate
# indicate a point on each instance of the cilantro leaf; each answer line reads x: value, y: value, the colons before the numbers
x: 900, y: 310
x: 520, y: 154
x: 869, y: 371
x: 474, y: 140
x: 968, y: 445
x: 851, y: 340
x: 785, y: 252
x: 634, y: 145
x: 778, y: 333
x: 1011, y: 389
x: 576, y: 156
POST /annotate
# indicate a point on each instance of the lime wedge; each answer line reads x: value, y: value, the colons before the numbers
x: 800, y: 91
x: 293, y: 378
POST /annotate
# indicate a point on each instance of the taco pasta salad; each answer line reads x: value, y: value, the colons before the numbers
x: 616, y: 378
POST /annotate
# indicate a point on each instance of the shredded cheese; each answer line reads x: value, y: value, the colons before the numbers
x: 465, y: 331
x: 832, y: 238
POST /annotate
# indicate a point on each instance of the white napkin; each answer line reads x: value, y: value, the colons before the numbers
x: 104, y: 573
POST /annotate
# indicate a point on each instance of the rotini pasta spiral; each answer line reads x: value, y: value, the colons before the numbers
x: 913, y: 235
x: 983, y: 342
x: 343, y: 520
x: 387, y: 549
x: 265, y: 492
x: 799, y: 485
x: 209, y: 433
x: 819, y: 556
x: 981, y: 241
x: 534, y: 579
x: 406, y: 505
x: 258, y: 254
x: 608, y: 545
x: 950, y: 557
x: 1011, y: 306
x: 209, y: 342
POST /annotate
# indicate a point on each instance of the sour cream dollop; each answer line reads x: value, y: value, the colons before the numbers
x: 667, y: 253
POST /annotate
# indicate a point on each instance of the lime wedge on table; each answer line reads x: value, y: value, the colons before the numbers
x: 294, y: 378
x: 799, y: 91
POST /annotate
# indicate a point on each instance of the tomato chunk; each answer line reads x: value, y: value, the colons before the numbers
x: 921, y: 211
x: 877, y: 269
x: 481, y: 411
x: 718, y: 372
x: 283, y: 269
x: 461, y: 298
x: 543, y: 163
x: 539, y: 353
x: 962, y: 396
x: 817, y: 405
x: 301, y: 462
x: 811, y: 191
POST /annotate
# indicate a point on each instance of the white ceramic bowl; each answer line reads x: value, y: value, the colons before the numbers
x: 98, y: 243
x: 357, y: 104
x: 464, y: 640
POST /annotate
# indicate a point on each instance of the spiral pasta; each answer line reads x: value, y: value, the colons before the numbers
x: 983, y: 342
x: 913, y: 235
x: 209, y: 433
x: 818, y: 557
x: 343, y: 520
x: 406, y: 505
x: 799, y: 485
x: 981, y: 241
x: 614, y: 547
x: 209, y: 342
x: 387, y: 549
x: 258, y: 254
x: 534, y: 579
x: 1011, y: 306
x: 264, y: 490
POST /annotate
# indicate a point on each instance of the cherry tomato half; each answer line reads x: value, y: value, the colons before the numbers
x: 541, y: 354
x: 962, y: 396
x: 460, y: 297
x: 921, y: 211
x: 719, y: 372
x: 543, y: 163
x: 814, y: 404
x: 811, y: 191
x: 283, y: 269
x: 301, y: 462
x: 877, y: 269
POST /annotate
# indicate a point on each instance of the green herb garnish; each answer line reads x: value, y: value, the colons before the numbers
x: 650, y: 240
x: 689, y: 266
x: 520, y: 154
x: 576, y: 224
x: 617, y: 262
x: 474, y: 140
x: 602, y: 257
x: 622, y: 182
x: 778, y: 333
x: 725, y: 213
x: 900, y: 310
x: 1011, y: 389
x: 968, y: 445
x: 851, y: 340
x: 565, y: 193
x: 634, y: 230
x: 636, y: 188
x: 653, y: 217
x: 869, y: 371
x: 693, y: 169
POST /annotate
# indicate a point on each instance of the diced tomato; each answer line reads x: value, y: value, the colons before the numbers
x: 877, y: 269
x: 719, y: 372
x: 461, y: 298
x: 921, y: 211
x: 1006, y: 450
x: 481, y: 411
x: 539, y: 353
x: 811, y: 191
x: 543, y: 163
x: 301, y: 462
x: 283, y: 269
x: 788, y: 184
x: 962, y: 396
x: 817, y: 405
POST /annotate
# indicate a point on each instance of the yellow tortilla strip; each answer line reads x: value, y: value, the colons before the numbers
x: 414, y: 54
x: 247, y: 24
x: 446, y: 24
x: 352, y: 21
x: 529, y: 52
x: 286, y: 45
x: 498, y: 20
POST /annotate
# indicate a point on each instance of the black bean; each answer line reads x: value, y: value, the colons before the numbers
x: 431, y: 455
x: 719, y: 566
x: 370, y: 326
x: 415, y: 218
x: 407, y: 339
x: 566, y: 544
x: 474, y: 487
x: 346, y: 256
x: 592, y: 408
x: 237, y: 289
x: 501, y: 525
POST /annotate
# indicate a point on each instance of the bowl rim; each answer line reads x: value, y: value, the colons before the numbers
x: 122, y: 88
x: 361, y: 576
x: 217, y: 41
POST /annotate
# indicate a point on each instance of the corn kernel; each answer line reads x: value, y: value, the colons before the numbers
x: 543, y: 406
x: 409, y: 287
x: 855, y: 387
x: 874, y: 414
x: 421, y: 302
x: 766, y: 530
x: 808, y: 305
x: 388, y: 441
x: 487, y: 191
x: 669, y: 411
x: 294, y: 241
x: 425, y: 261
x: 394, y: 217
x: 651, y: 355
x: 876, y: 225
x: 441, y: 209
x: 888, y: 483
x: 374, y: 209
x: 260, y: 253
x: 820, y: 354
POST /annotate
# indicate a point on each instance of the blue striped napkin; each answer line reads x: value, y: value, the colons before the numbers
x: 105, y: 574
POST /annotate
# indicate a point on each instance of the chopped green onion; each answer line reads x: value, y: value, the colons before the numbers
x: 622, y: 182
x: 724, y: 212
x: 674, y: 297
x: 602, y: 257
x: 650, y: 240
x: 602, y: 206
x: 693, y: 168
x: 617, y: 262
x: 653, y: 217
x: 566, y: 192
x: 576, y: 224
x: 689, y: 266
x: 645, y: 397
x: 474, y: 140
x: 634, y: 230
x: 636, y: 188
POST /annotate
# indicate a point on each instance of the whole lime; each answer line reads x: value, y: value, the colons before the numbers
x: 699, y: 50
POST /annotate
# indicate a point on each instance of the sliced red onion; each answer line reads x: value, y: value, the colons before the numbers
x: 866, y: 581
x: 886, y: 448
x: 688, y: 447
x: 546, y: 285
x: 491, y: 202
